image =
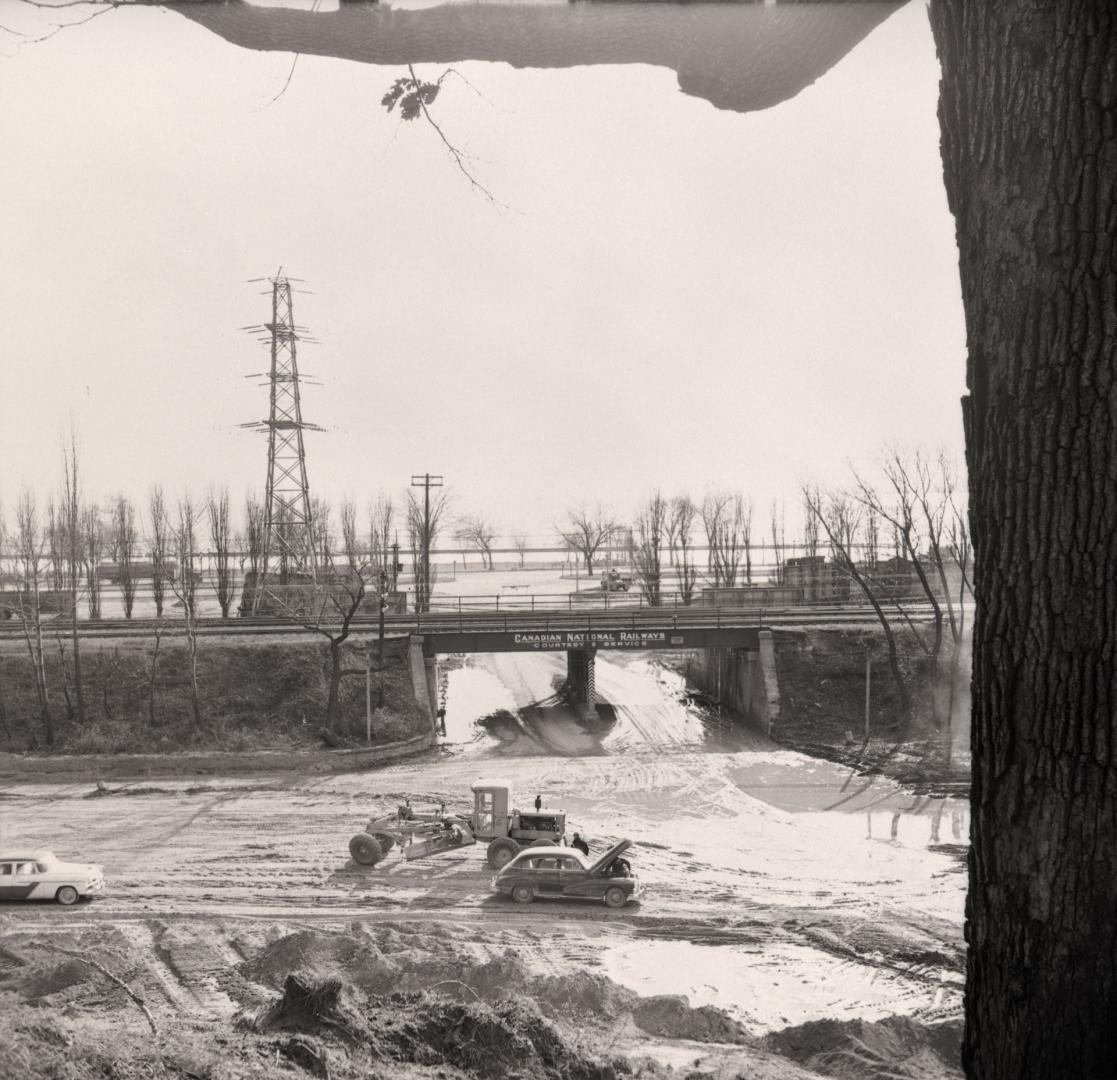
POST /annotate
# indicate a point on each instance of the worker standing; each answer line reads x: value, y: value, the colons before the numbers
x: 580, y: 844
x: 538, y: 802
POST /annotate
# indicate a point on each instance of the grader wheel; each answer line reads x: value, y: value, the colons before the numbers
x: 501, y: 852
x: 365, y: 849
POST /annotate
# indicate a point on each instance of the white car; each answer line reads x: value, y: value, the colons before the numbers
x: 41, y: 875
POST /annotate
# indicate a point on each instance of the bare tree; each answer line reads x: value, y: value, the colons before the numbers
x: 184, y: 586
x: 124, y: 543
x: 31, y: 544
x: 810, y: 531
x: 349, y: 541
x: 72, y: 528
x: 323, y: 538
x: 480, y: 534
x: 328, y: 608
x: 586, y: 531
x: 671, y: 533
x: 742, y: 509
x: 161, y: 572
x: 221, y: 537
x: 839, y: 518
x: 779, y: 540
x: 252, y: 550
x: 683, y: 513
x: 910, y: 483
x: 380, y: 519
x: 651, y: 522
x: 423, y: 527
x: 57, y: 546
x: 519, y: 544
x: 93, y: 532
x: 871, y: 533
x: 727, y: 520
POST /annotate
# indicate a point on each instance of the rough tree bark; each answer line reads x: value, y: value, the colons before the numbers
x: 1028, y: 109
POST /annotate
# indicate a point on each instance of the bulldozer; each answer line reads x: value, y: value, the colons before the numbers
x: 494, y: 819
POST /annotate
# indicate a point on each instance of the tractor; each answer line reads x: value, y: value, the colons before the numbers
x: 420, y: 834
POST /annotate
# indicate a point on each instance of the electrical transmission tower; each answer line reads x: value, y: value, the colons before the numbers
x: 289, y: 547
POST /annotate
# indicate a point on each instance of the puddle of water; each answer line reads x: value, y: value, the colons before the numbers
x: 781, y: 985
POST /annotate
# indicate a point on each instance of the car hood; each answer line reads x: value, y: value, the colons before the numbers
x: 609, y: 856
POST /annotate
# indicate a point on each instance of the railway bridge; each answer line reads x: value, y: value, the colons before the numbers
x: 582, y: 634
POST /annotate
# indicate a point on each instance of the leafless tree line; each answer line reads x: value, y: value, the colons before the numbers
x: 919, y: 502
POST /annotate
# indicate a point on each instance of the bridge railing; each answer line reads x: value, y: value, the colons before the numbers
x: 477, y: 620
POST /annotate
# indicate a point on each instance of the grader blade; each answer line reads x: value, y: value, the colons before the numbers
x: 446, y: 840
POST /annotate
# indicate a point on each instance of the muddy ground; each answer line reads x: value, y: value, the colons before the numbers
x: 790, y: 907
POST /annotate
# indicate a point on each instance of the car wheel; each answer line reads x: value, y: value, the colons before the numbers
x: 523, y: 894
x: 502, y: 852
x: 616, y: 897
x: 385, y: 841
x: 365, y: 850
x: 67, y: 895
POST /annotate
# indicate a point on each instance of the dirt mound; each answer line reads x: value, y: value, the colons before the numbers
x: 506, y: 1040
x: 511, y: 1038
x: 895, y: 1048
x: 317, y: 955
x: 385, y: 961
x: 671, y: 1015
x: 40, y: 975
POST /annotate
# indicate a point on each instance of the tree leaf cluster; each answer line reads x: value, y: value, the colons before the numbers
x: 411, y: 95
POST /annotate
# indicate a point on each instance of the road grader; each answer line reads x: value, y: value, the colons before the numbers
x: 494, y: 819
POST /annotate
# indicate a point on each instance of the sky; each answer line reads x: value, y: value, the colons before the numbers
x: 663, y: 295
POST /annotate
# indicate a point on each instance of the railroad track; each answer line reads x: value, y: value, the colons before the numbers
x: 480, y: 621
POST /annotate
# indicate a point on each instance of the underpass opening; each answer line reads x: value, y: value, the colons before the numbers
x: 538, y: 702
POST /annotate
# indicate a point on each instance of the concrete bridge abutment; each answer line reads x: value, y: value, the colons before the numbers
x: 581, y: 678
x: 743, y: 679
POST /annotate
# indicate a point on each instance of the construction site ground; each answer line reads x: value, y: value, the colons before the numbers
x: 779, y: 891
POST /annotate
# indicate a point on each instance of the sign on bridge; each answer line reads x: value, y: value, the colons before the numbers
x: 436, y: 641
x: 597, y: 639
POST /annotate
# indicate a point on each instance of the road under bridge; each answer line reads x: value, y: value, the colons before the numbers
x: 582, y: 635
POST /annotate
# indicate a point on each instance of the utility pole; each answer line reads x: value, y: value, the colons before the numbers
x: 426, y: 481
x: 380, y: 652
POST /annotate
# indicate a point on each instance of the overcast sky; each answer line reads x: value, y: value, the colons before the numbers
x: 669, y: 295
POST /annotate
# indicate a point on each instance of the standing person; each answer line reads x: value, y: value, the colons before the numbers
x: 538, y: 802
x: 580, y: 844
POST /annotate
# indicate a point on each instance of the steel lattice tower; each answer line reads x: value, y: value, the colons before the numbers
x: 289, y: 525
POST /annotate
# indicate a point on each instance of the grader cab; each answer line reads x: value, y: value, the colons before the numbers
x: 493, y: 819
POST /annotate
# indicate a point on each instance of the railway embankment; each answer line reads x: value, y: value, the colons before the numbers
x: 262, y: 703
x: 829, y: 691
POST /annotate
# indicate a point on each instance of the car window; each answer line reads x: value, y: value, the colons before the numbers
x: 5, y: 868
x: 570, y: 864
x: 544, y: 864
x: 25, y: 868
x: 41, y: 867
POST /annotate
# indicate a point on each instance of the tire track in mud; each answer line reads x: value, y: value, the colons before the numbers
x: 733, y: 879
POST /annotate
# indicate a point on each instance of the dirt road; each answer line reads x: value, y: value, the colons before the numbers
x: 758, y: 898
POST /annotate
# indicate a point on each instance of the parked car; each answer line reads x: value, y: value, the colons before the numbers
x: 564, y: 872
x: 41, y: 875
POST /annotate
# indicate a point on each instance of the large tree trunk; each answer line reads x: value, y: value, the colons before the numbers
x: 1029, y: 141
